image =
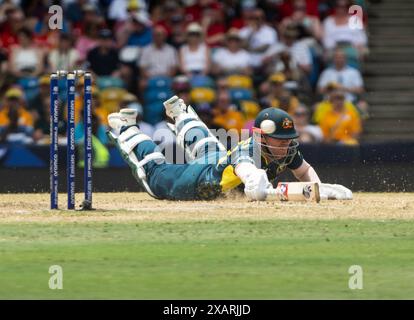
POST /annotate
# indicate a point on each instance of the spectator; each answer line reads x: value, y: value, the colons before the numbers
x: 225, y: 114
x: 310, y: 24
x: 41, y: 104
x: 340, y: 124
x: 159, y: 58
x: 195, y: 55
x: 136, y: 31
x: 37, y: 105
x: 232, y: 58
x: 308, y: 133
x: 346, y: 78
x: 296, y: 51
x: 103, y: 60
x: 213, y: 26
x: 258, y: 36
x: 88, y: 40
x: 278, y: 96
x: 26, y: 60
x: 172, y: 14
x: 194, y: 13
x: 64, y: 57
x: 12, y: 21
x: 120, y: 10
x: 336, y: 29
x: 16, y: 123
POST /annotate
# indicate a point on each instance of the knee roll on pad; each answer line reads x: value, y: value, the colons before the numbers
x: 127, y: 141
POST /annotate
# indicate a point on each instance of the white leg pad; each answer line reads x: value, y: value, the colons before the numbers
x: 200, y: 144
x: 130, y: 138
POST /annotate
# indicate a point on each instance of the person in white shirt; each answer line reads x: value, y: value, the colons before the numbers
x: 194, y: 56
x: 291, y: 53
x: 158, y: 58
x: 341, y: 28
x: 259, y: 37
x: 233, y: 58
x: 347, y: 78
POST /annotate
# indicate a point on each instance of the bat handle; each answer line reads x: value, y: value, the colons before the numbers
x: 272, y: 191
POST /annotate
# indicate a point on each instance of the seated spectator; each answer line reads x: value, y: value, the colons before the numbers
x: 339, y: 123
x: 194, y: 56
x: 299, y: 17
x: 12, y: 21
x: 158, y: 58
x: 194, y: 12
x: 88, y: 40
x: 258, y: 37
x: 213, y: 26
x: 136, y: 31
x: 103, y: 60
x: 278, y: 96
x: 36, y: 106
x: 286, y: 8
x: 16, y: 123
x: 225, y: 114
x: 298, y: 50
x: 346, y: 78
x: 233, y: 58
x: 65, y: 56
x: 170, y: 12
x: 336, y: 29
x: 308, y: 133
x: 26, y: 60
x: 41, y: 106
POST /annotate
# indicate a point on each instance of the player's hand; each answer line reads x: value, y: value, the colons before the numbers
x: 334, y: 192
x: 256, y: 185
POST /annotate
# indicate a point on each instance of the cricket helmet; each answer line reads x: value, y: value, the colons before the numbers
x: 278, y: 124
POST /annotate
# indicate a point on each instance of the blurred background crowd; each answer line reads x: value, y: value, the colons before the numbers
x: 228, y: 59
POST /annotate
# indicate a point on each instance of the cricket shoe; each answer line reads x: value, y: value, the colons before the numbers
x: 174, y: 107
x: 123, y: 118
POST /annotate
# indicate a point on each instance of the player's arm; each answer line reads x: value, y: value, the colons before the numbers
x: 302, y: 170
x: 306, y: 173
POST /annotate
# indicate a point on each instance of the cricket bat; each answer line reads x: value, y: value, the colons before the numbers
x: 296, y: 191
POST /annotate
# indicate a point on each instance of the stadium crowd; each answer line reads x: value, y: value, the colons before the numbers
x: 228, y: 59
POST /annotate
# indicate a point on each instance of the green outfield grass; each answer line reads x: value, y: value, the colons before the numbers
x: 275, y: 259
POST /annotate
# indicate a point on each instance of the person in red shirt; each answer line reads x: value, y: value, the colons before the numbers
x: 213, y: 26
x: 9, y: 28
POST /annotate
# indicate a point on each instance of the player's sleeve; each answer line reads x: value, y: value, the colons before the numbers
x: 243, y: 152
x: 297, y: 161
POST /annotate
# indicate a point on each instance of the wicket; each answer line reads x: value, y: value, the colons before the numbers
x: 70, y: 78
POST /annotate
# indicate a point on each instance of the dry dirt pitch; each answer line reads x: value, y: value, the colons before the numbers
x: 124, y: 207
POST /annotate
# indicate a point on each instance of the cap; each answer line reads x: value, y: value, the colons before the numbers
x: 44, y: 80
x: 277, y: 78
x: 133, y: 5
x: 194, y: 27
x: 14, y: 93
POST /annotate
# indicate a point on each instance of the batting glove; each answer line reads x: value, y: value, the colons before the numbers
x: 256, y: 185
